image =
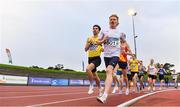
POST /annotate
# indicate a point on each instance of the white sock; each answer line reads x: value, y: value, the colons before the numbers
x: 105, y: 94
x: 91, y: 84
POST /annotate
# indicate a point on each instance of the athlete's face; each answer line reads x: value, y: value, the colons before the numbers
x: 113, y: 22
x: 122, y: 40
x: 152, y: 61
x: 95, y: 30
x: 134, y: 57
x: 141, y: 62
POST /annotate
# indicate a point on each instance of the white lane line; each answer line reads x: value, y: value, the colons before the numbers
x: 130, y: 102
x: 75, y: 99
x: 37, y: 91
x: 55, y: 102
x: 40, y: 95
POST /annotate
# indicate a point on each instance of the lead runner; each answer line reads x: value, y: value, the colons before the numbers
x: 111, y: 40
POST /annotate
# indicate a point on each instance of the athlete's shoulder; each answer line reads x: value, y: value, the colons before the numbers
x: 130, y: 60
x: 105, y: 29
x: 137, y: 60
x: 90, y: 36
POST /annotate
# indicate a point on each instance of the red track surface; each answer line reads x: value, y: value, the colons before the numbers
x: 56, y: 96
x: 167, y: 98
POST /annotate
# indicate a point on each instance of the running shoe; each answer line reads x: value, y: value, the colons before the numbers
x: 120, y: 92
x: 127, y: 91
x: 101, y: 91
x: 102, y: 98
x: 91, y: 91
x: 115, y: 90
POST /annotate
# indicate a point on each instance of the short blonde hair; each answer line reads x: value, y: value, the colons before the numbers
x: 114, y: 15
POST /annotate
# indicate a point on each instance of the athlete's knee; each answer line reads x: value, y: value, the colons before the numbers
x: 109, y: 70
x: 88, y: 69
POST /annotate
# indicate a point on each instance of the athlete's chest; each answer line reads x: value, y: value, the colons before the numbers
x: 113, y: 33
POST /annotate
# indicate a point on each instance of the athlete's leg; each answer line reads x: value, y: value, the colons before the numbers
x: 97, y: 79
x: 135, y: 82
x: 89, y: 69
x: 150, y: 84
x: 121, y: 84
x: 161, y: 84
x: 154, y: 81
x: 115, y: 79
x: 124, y: 71
x: 125, y: 78
x: 108, y: 81
x: 141, y: 82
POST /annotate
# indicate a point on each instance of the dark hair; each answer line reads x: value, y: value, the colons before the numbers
x: 97, y: 27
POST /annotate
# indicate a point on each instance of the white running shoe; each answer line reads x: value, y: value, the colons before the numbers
x: 115, y: 90
x: 160, y: 88
x: 91, y: 91
x: 133, y: 90
x: 101, y: 91
x: 120, y: 92
x: 127, y: 91
x: 102, y: 98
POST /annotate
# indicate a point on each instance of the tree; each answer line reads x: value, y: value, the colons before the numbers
x: 167, y: 67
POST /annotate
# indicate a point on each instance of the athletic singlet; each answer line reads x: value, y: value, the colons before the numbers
x: 94, y: 49
x: 112, y: 45
x: 161, y: 71
x: 134, y: 65
x: 152, y: 70
x: 174, y: 75
x: 128, y: 72
x: 141, y: 70
x: 123, y: 56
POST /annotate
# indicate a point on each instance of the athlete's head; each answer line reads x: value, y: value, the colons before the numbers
x: 152, y: 61
x: 123, y: 37
x: 133, y: 56
x: 161, y: 65
x: 113, y: 21
x: 141, y: 62
x: 96, y: 29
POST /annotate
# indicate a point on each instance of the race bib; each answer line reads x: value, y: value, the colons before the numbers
x: 93, y: 47
x: 113, y: 42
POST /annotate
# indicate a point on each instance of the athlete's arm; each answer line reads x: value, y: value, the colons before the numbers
x: 87, y: 45
x: 103, y: 40
x: 148, y: 69
x: 157, y: 69
x: 129, y: 52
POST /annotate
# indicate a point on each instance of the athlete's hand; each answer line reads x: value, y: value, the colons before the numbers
x: 89, y: 40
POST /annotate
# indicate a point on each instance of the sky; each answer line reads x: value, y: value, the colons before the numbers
x: 50, y: 32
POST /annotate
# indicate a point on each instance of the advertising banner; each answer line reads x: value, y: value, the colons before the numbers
x: 75, y: 82
x: 7, y: 79
x: 59, y: 82
x: 39, y: 81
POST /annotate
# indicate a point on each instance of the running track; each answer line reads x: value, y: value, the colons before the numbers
x: 63, y: 96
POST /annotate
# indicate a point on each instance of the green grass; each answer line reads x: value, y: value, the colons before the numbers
x: 24, y: 71
x: 21, y: 70
x: 13, y: 67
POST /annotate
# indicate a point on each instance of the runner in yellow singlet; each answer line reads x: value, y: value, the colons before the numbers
x: 94, y: 60
x: 133, y: 64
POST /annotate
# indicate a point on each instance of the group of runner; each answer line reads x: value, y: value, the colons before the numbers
x: 112, y: 42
